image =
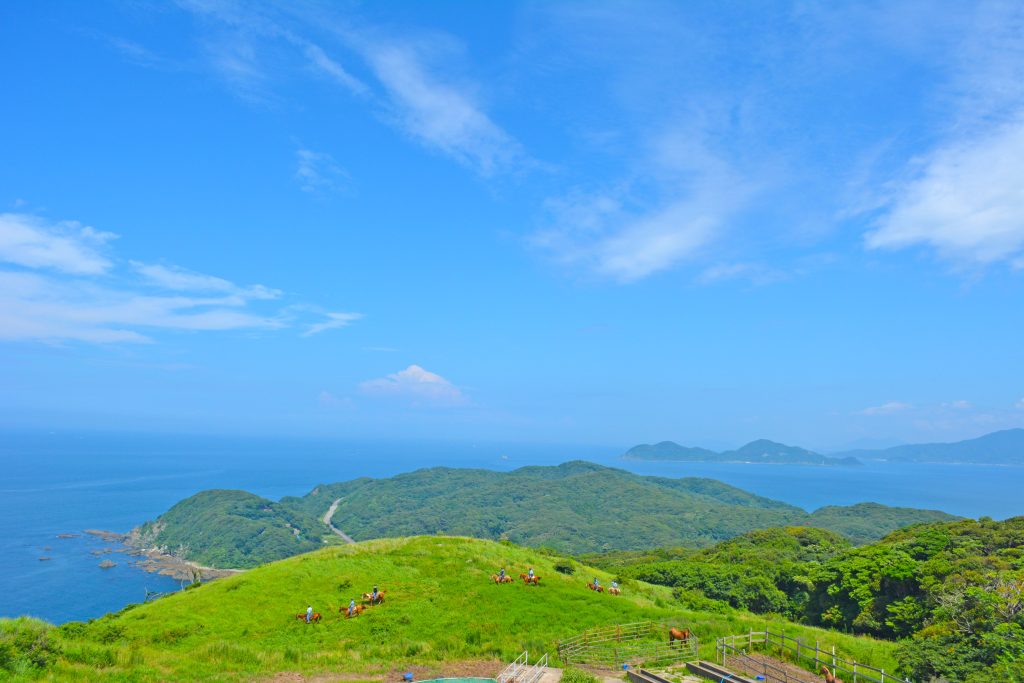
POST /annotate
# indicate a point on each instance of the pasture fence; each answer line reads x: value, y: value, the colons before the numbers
x: 734, y: 651
x: 642, y: 643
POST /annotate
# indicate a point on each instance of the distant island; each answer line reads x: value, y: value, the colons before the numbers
x: 1004, y: 447
x: 760, y: 451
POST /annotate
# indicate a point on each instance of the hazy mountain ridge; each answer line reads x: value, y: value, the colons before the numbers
x: 1005, y: 447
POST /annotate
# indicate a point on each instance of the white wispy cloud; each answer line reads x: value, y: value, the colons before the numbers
x: 317, y: 172
x: 183, y: 280
x: 602, y: 234
x: 887, y: 408
x: 415, y: 384
x: 967, y: 202
x: 958, y: 405
x: 964, y: 198
x: 319, y: 59
x: 333, y: 321
x: 436, y: 111
x: 57, y: 285
x: 1019, y: 405
x: 755, y: 273
x: 407, y: 77
x: 66, y: 246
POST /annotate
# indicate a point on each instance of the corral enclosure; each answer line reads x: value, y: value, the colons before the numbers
x: 643, y: 643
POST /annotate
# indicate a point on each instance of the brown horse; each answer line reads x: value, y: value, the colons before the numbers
x: 829, y: 676
x: 356, y: 611
x: 369, y: 597
x: 595, y: 587
x: 315, y: 619
x: 614, y: 591
x: 527, y: 579
x: 682, y: 635
x: 501, y: 579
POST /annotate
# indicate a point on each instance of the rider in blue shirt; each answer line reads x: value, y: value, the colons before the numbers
x: 351, y: 606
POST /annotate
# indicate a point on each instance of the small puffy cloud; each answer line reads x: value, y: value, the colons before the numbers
x: 967, y: 202
x: 416, y: 384
x: 1019, y: 404
x: 334, y: 321
x: 65, y: 246
x: 886, y: 408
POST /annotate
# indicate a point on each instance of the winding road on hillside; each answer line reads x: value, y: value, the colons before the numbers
x: 327, y: 520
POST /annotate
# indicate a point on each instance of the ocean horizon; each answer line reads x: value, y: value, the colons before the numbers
x: 67, y: 483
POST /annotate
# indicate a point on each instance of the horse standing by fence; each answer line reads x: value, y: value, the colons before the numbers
x: 678, y: 634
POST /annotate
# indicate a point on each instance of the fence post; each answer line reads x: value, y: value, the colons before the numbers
x: 855, y: 672
x: 816, y: 654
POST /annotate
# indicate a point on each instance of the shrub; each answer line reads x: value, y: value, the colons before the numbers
x: 571, y: 675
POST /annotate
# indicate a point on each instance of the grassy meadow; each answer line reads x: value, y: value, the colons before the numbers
x: 442, y: 611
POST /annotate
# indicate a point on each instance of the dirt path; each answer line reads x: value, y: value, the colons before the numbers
x: 327, y: 520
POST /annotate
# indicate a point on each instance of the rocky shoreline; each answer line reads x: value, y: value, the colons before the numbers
x: 158, y: 560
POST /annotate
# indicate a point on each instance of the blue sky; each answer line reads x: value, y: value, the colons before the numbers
x: 550, y: 222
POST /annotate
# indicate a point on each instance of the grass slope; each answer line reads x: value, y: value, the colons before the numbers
x: 442, y: 608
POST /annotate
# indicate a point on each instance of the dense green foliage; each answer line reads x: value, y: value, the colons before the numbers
x: 441, y: 609
x: 26, y: 646
x: 574, y: 507
x: 579, y: 507
x: 953, y: 592
x: 760, y: 451
x: 231, y: 529
x: 764, y: 571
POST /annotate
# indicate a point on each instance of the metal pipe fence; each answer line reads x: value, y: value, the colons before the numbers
x: 638, y: 643
x: 801, y: 653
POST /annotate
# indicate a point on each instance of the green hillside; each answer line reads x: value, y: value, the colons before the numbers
x: 575, y: 507
x: 442, y: 615
x: 231, y: 529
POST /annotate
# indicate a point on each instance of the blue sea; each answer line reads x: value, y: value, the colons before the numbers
x: 65, y: 483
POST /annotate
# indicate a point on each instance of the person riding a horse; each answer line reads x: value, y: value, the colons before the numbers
x: 501, y: 574
x: 615, y: 585
x: 596, y: 584
x: 309, y: 613
x: 351, y: 606
x: 374, y: 595
x: 531, y: 573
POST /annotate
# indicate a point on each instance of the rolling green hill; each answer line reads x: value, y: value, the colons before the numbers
x: 574, y: 507
x: 231, y: 529
x: 442, y: 615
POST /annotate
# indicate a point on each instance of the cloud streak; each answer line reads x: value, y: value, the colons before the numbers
x: 56, y: 285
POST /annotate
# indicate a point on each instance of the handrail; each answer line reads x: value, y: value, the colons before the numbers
x: 511, y: 672
x: 855, y: 671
